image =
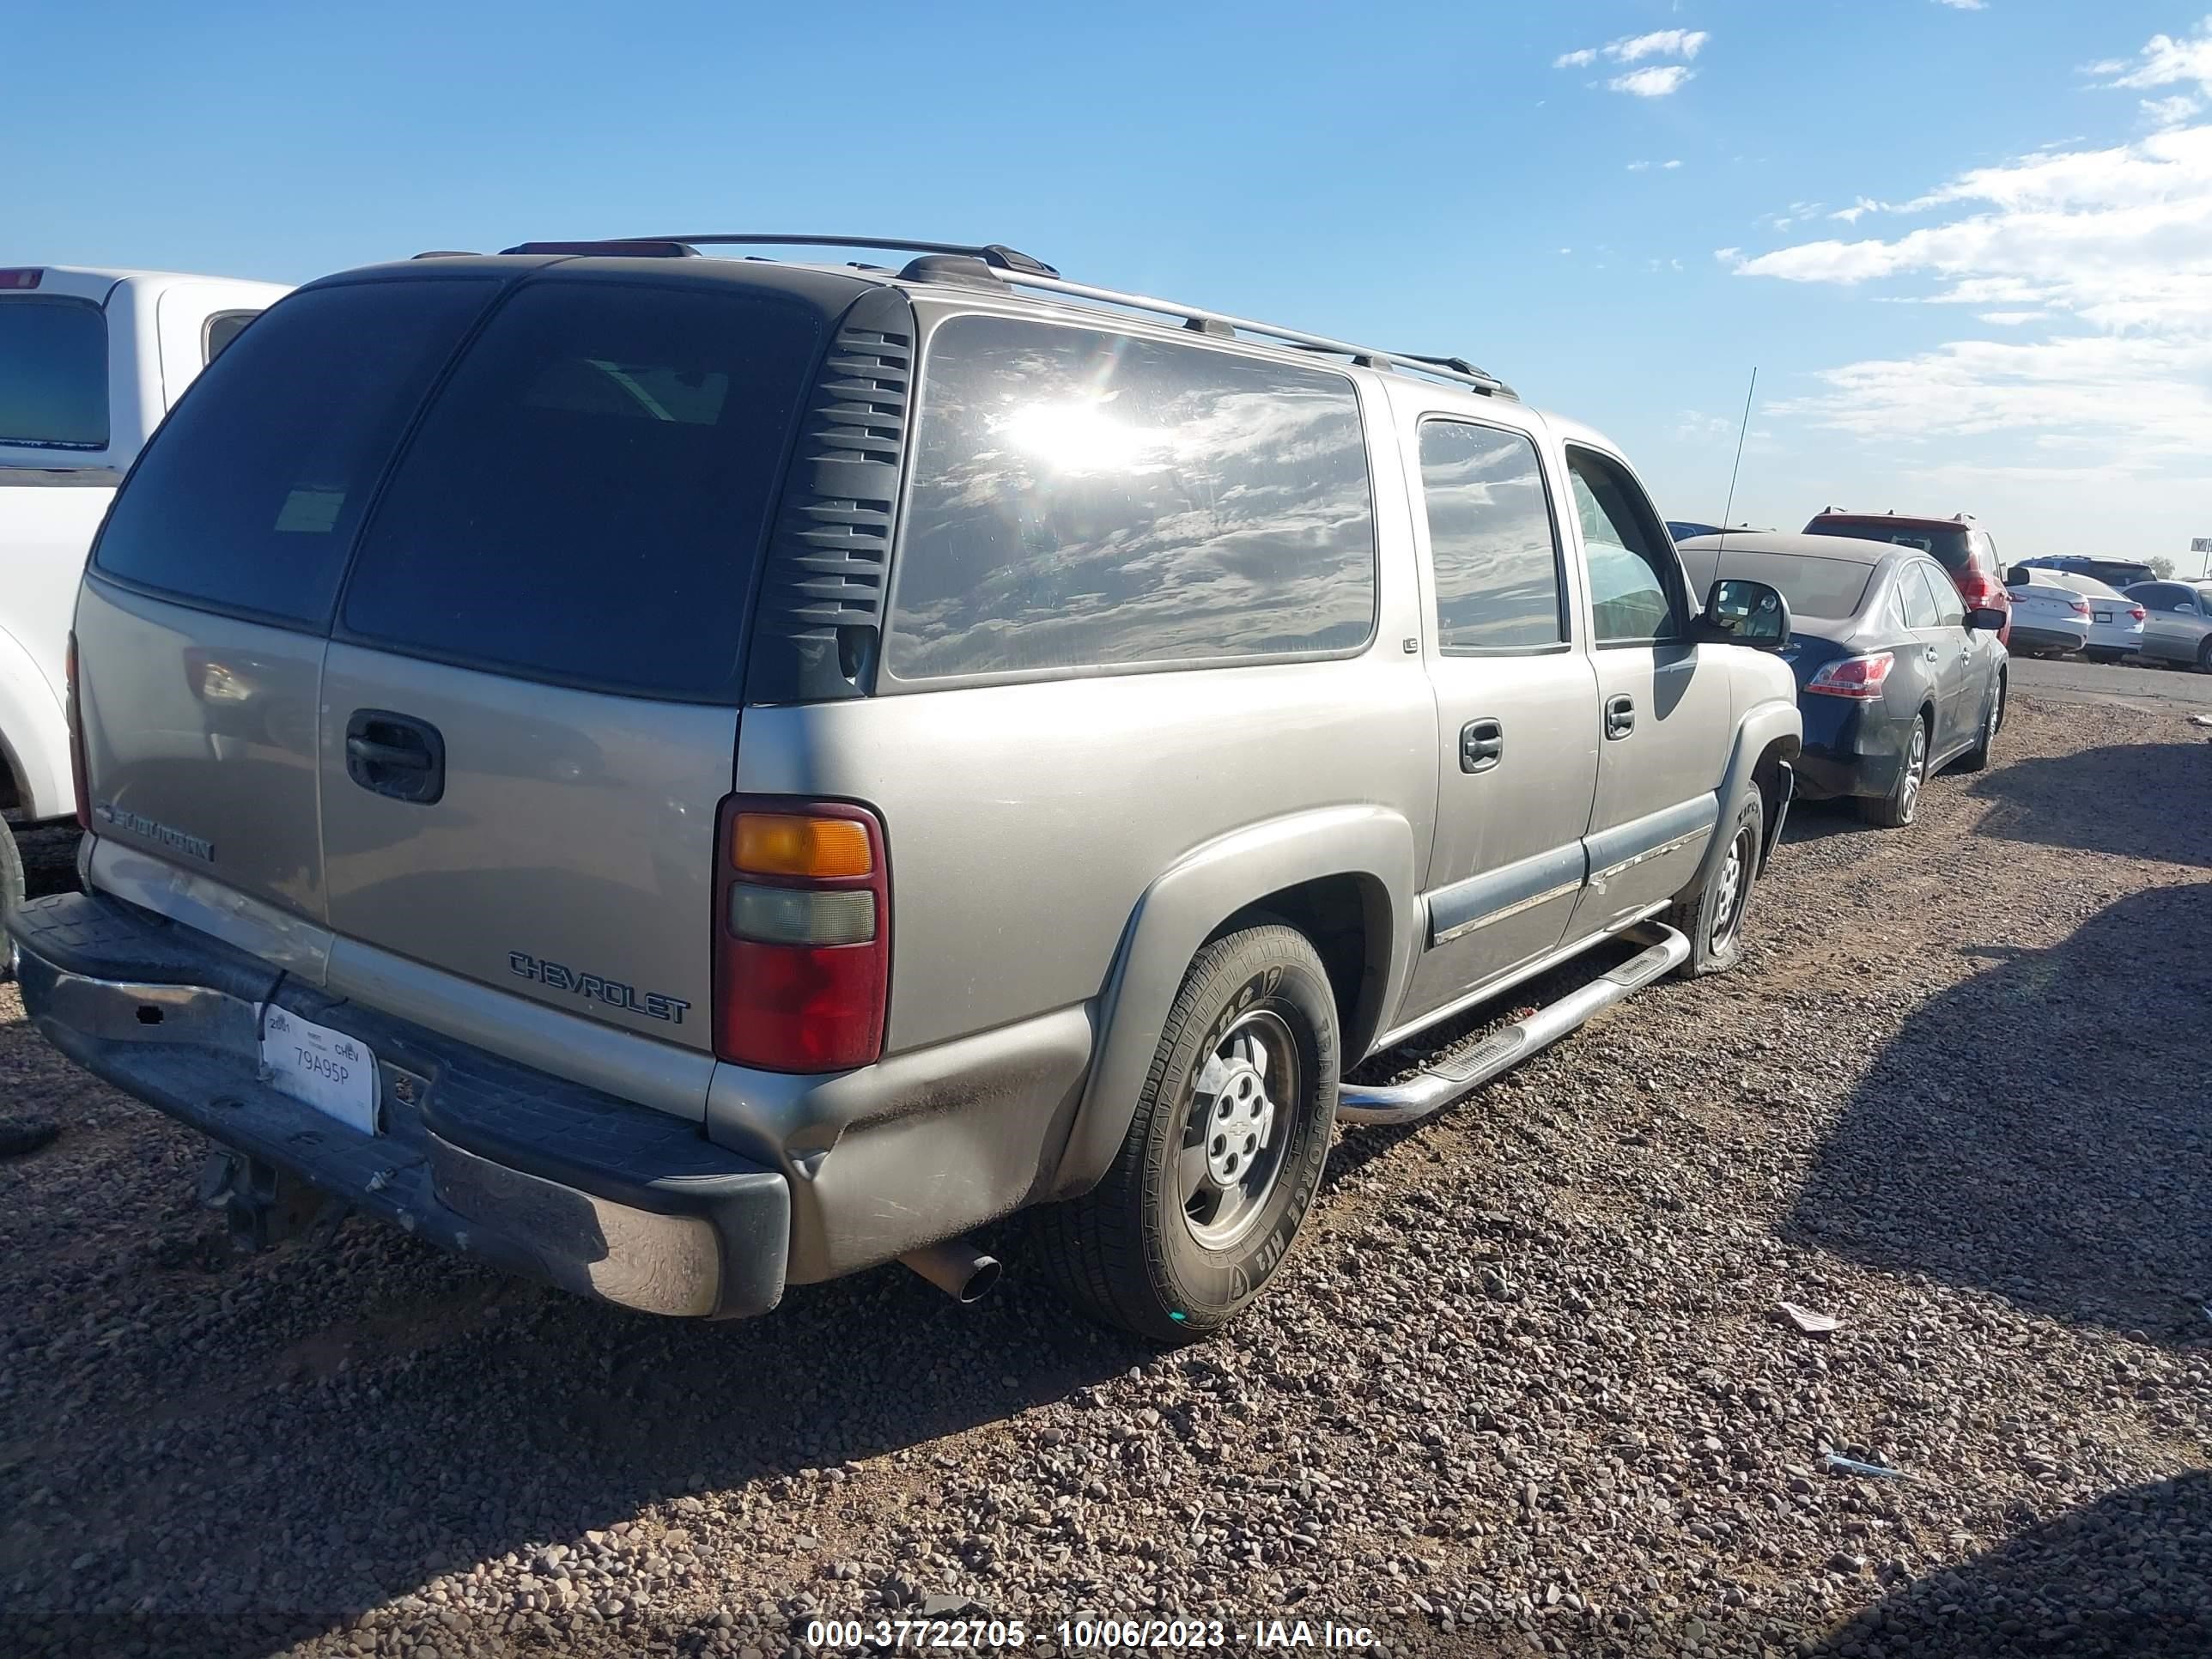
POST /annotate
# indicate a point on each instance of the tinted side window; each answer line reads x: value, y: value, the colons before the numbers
x: 1919, y: 597
x: 1950, y: 609
x: 248, y: 497
x: 1635, y: 586
x: 1492, y: 540
x: 222, y: 328
x: 585, y: 500
x: 1086, y: 499
x: 53, y: 391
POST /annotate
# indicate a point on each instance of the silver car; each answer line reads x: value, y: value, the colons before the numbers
x: 2177, y: 622
x: 684, y: 775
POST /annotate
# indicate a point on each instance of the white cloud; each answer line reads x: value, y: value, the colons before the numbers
x: 1858, y: 210
x: 1660, y: 43
x: 1652, y: 82
x: 2111, y: 248
x: 2169, y: 111
x: 1671, y: 165
x: 1964, y: 5
x: 2165, y: 62
x: 1639, y: 167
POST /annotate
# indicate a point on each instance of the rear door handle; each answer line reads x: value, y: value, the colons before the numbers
x: 1481, y: 745
x: 396, y: 755
x: 1619, y: 716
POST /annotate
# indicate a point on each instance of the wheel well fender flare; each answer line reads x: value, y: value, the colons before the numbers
x: 1182, y: 908
x: 1769, y: 732
x: 33, y: 736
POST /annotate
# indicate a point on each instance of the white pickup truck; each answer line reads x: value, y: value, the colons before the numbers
x: 90, y: 361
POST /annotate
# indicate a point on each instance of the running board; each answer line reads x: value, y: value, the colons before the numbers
x: 1440, y: 1084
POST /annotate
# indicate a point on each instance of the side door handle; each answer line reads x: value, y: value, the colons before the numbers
x: 1481, y: 745
x: 1619, y: 716
x: 1931, y: 653
x: 396, y: 755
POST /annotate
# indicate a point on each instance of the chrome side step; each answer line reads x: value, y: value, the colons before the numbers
x: 1440, y: 1084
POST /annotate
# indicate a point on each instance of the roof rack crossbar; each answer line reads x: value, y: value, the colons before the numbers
x: 1456, y: 369
x: 996, y: 255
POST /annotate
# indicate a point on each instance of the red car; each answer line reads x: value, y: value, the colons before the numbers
x: 1957, y: 543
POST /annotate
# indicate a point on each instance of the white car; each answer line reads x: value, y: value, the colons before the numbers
x: 2116, y: 622
x: 2047, y: 615
x: 90, y: 361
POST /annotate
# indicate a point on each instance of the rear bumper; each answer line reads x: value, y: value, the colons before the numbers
x: 1850, y: 749
x: 476, y: 1154
x: 2026, y: 638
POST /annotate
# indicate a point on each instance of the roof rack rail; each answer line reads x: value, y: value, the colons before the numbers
x: 624, y: 247
x: 1019, y: 270
x: 1455, y: 369
x: 997, y: 255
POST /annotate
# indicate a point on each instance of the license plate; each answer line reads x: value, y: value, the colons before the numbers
x: 2104, y: 616
x: 328, y: 1070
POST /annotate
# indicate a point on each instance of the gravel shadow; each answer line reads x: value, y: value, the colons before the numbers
x: 2039, y: 1130
x: 2134, y: 800
x: 2125, y: 1575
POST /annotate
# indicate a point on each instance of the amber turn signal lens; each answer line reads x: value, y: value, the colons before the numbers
x: 780, y: 844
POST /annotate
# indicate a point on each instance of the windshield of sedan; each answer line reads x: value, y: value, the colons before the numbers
x: 1814, y: 587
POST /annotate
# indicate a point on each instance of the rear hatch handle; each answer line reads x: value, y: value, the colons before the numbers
x: 396, y: 755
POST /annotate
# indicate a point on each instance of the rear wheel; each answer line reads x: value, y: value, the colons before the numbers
x: 1224, y: 1153
x: 1712, y: 919
x: 2204, y: 655
x: 1902, y: 804
x: 1992, y: 721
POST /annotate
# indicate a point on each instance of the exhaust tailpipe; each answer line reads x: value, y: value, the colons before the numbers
x: 956, y: 1267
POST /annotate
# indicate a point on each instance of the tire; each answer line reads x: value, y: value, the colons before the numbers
x: 12, y: 885
x: 1185, y: 1229
x: 1712, y: 917
x: 2204, y: 655
x: 1977, y: 758
x: 1902, y: 804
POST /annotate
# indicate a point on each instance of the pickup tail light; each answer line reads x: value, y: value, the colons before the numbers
x: 77, y: 774
x: 1858, y: 677
x: 21, y: 278
x: 802, y: 934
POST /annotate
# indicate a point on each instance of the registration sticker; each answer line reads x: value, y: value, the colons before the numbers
x: 328, y: 1070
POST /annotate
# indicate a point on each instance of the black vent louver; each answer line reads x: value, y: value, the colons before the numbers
x: 821, y: 609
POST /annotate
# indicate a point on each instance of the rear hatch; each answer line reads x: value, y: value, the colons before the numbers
x: 470, y: 555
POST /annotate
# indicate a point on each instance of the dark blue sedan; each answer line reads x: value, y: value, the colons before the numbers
x: 1896, y: 679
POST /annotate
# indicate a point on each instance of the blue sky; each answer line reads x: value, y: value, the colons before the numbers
x: 2019, y: 326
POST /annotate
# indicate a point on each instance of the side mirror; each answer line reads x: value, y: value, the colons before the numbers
x: 1740, y: 611
x: 2018, y: 576
x: 1984, y: 619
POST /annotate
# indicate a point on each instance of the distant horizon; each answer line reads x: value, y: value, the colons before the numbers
x: 1977, y: 279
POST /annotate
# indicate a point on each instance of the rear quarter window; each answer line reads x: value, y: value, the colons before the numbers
x: 249, y: 496
x: 1083, y: 499
x: 585, y: 499
x: 53, y: 372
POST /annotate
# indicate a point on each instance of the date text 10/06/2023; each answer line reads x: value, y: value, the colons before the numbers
x: 1075, y: 1635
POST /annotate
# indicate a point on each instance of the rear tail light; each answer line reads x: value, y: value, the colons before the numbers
x: 2137, y: 613
x: 1859, y: 678
x: 2080, y: 607
x: 76, y: 738
x: 802, y: 935
x: 21, y: 279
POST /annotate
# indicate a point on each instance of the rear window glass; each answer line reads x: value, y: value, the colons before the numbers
x: 585, y: 500
x: 53, y: 372
x: 248, y: 498
x: 1949, y: 548
x: 1814, y: 587
x: 1087, y: 499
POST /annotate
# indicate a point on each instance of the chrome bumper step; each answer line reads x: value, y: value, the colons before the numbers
x: 1438, y: 1085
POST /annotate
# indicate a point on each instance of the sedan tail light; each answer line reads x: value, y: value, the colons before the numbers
x: 2080, y: 607
x: 802, y: 935
x: 1858, y: 677
x: 2137, y: 613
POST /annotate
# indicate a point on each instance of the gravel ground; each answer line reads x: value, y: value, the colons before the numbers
x: 1524, y: 1388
